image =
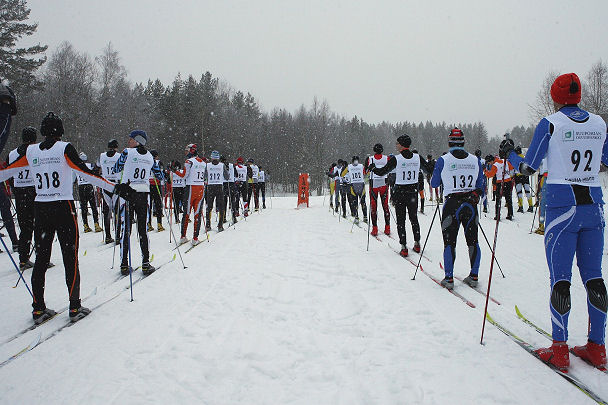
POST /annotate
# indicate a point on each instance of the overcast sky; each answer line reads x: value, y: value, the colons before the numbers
x: 442, y: 60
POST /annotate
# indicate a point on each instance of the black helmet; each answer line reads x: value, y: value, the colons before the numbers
x: 478, y: 153
x: 518, y: 149
x: 29, y: 135
x: 355, y: 158
x: 113, y: 144
x: 51, y: 125
x: 154, y: 153
x: 378, y: 148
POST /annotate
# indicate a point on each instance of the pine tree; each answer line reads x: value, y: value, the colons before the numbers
x: 18, y: 65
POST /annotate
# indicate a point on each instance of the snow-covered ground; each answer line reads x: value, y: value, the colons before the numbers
x: 288, y: 307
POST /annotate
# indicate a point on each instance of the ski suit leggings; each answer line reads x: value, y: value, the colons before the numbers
x: 357, y: 193
x: 261, y: 187
x: 507, y: 190
x: 156, y: 203
x: 576, y: 230
x: 87, y: 197
x: 406, y: 204
x: 252, y: 190
x: 60, y: 217
x: 215, y: 192
x: 109, y: 209
x: 193, y: 200
x: 178, y: 201
x: 374, y: 193
x: 138, y: 206
x: 24, y: 201
x: 7, y: 216
x: 455, y: 213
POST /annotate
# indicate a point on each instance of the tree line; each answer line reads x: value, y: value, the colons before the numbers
x: 98, y: 102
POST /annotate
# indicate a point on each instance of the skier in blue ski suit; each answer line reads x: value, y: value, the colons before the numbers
x: 574, y: 142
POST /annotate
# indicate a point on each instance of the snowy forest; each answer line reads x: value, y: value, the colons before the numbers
x: 98, y: 102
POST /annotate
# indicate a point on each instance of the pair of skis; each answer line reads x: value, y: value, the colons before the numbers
x: 584, y: 388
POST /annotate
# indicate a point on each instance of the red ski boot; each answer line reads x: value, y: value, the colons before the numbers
x: 387, y: 229
x: 416, y: 247
x: 592, y: 353
x: 557, y: 355
x: 374, y: 230
x: 403, y: 252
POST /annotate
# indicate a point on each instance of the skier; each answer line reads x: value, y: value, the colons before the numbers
x: 332, y: 184
x: 340, y: 193
x: 242, y: 173
x: 107, y: 162
x: 420, y: 186
x: 461, y: 174
x: 378, y: 188
x: 504, y: 185
x: 136, y: 163
x: 574, y: 143
x: 194, y: 174
x: 51, y: 163
x: 262, y: 177
x: 156, y: 199
x: 178, y: 184
x: 252, y: 182
x: 86, y: 194
x: 215, y: 174
x: 431, y: 167
x: 356, y: 190
x: 407, y: 165
x: 522, y: 184
x: 484, y: 197
x: 25, y: 194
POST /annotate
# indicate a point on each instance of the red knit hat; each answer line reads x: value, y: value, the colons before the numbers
x: 456, y: 137
x: 566, y: 89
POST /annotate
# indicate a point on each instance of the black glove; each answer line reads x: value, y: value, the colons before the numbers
x: 489, y: 159
x: 506, y: 147
x: 371, y: 167
x: 124, y: 190
x: 474, y: 196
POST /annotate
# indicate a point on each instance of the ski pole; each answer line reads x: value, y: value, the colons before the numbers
x: 533, y: 218
x: 171, y: 228
x: 425, y: 241
x: 16, y: 267
x: 488, y: 242
x: 485, y: 312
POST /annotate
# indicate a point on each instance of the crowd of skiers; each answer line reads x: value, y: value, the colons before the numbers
x: 566, y: 151
x: 130, y: 185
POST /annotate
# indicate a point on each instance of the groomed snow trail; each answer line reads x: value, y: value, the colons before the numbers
x: 289, y: 308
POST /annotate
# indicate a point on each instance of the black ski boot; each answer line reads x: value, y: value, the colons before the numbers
x: 220, y: 227
x: 530, y: 209
x: 147, y: 269
x: 26, y: 265
x: 78, y: 313
x: 109, y: 240
x: 43, y: 315
x: 520, y: 209
x: 125, y: 270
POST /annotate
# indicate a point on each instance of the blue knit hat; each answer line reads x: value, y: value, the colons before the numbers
x: 140, y: 136
x: 215, y: 155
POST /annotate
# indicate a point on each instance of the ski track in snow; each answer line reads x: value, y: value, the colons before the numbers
x: 288, y: 307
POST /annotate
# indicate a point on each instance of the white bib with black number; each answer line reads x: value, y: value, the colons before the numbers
x: 407, y: 169
x: 24, y: 178
x: 261, y: 176
x: 196, y: 173
x: 575, y: 150
x: 107, y: 164
x: 255, y: 171
x: 137, y: 170
x: 378, y: 181
x: 178, y: 181
x: 215, y: 173
x: 356, y: 173
x: 500, y: 169
x: 459, y: 175
x: 51, y: 172
x: 241, y: 173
